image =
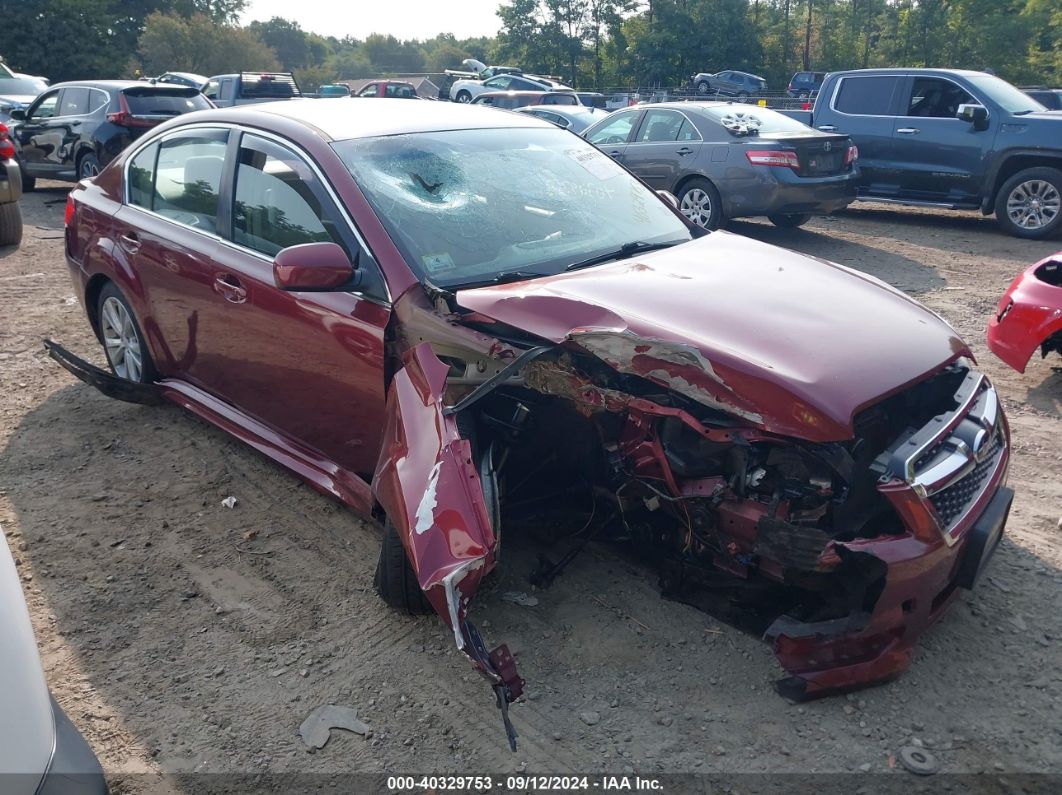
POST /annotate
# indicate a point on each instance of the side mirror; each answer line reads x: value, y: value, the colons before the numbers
x: 313, y: 267
x: 977, y: 115
x: 18, y: 114
x: 669, y: 197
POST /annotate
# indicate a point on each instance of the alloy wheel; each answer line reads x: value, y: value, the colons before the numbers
x: 120, y: 339
x: 696, y: 205
x: 1034, y: 204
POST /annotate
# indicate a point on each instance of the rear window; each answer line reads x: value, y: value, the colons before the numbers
x: 269, y: 86
x: 866, y: 96
x: 143, y: 102
x: 743, y: 120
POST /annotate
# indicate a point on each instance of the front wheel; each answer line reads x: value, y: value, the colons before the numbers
x: 464, y: 97
x: 395, y: 580
x: 123, y: 341
x: 703, y: 87
x: 10, y: 224
x: 1029, y: 204
x: 789, y: 220
x: 699, y: 201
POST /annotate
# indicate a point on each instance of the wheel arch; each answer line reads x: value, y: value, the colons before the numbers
x: 92, y: 300
x: 686, y: 180
x: 1009, y: 164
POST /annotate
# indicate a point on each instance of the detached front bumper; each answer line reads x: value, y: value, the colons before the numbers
x: 947, y: 484
x: 1029, y: 314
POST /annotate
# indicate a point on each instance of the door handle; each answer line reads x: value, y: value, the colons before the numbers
x: 684, y: 151
x: 130, y: 242
x: 615, y: 153
x: 229, y: 288
x: 908, y: 131
x: 828, y: 128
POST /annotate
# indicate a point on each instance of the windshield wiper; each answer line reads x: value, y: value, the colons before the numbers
x: 505, y: 277
x: 624, y: 251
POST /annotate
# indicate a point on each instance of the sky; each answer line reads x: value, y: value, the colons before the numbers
x: 404, y: 19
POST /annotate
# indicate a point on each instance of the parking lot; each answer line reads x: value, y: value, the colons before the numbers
x: 180, y: 635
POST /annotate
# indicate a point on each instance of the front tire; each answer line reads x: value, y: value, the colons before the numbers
x: 1029, y: 204
x: 395, y: 580
x: 699, y: 201
x: 464, y: 97
x: 10, y: 224
x: 789, y: 220
x: 123, y: 341
x: 703, y: 88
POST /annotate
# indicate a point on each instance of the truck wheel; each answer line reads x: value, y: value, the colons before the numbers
x: 699, y: 201
x: 789, y: 220
x: 1029, y: 204
x: 395, y: 580
x: 10, y: 224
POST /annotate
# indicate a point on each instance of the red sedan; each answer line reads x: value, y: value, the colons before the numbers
x: 448, y: 318
x: 1029, y: 315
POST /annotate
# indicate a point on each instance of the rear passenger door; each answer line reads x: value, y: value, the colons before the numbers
x: 865, y: 108
x: 665, y: 142
x: 940, y: 158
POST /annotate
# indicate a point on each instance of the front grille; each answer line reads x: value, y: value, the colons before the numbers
x: 952, y: 502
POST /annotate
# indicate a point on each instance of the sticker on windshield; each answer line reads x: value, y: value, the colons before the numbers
x: 437, y: 263
x: 594, y: 161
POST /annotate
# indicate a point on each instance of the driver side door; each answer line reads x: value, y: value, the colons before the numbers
x: 612, y: 136
x: 38, y: 139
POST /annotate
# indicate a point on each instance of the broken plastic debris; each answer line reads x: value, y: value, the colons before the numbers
x: 229, y: 502
x: 316, y: 729
x: 520, y: 598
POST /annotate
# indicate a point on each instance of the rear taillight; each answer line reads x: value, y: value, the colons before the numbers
x: 123, y: 118
x: 7, y: 149
x: 778, y: 157
x: 851, y: 155
x: 68, y: 216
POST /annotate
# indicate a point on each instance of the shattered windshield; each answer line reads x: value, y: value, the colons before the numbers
x: 468, y: 205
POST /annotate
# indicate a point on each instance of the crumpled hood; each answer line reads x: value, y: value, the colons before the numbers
x: 790, y: 343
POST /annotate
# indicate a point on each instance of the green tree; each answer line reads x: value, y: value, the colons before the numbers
x: 199, y: 44
x: 288, y: 40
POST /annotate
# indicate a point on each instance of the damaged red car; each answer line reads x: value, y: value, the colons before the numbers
x: 1029, y: 315
x: 433, y: 312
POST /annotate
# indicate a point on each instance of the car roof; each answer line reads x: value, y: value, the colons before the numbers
x: 897, y: 70
x: 339, y: 119
x: 525, y: 93
x: 117, y: 85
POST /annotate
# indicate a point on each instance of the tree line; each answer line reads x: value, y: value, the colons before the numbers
x: 589, y: 43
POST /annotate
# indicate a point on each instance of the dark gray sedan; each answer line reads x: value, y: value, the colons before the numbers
x: 575, y: 118
x: 725, y: 160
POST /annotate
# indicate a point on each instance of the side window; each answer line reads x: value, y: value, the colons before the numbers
x: 188, y: 178
x: 499, y: 83
x: 616, y: 131
x: 277, y: 201
x: 932, y: 97
x: 687, y: 132
x: 482, y: 100
x: 142, y: 177
x: 45, y: 107
x: 369, y: 90
x: 866, y: 96
x: 97, y: 99
x: 74, y: 102
x: 211, y: 90
x: 660, y: 126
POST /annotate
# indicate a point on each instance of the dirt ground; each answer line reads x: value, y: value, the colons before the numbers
x: 175, y: 645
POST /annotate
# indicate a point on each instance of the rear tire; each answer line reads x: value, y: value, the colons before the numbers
x: 10, y: 224
x: 123, y: 341
x: 395, y: 581
x: 789, y: 220
x: 88, y: 166
x: 743, y: 96
x: 1029, y: 204
x: 699, y: 201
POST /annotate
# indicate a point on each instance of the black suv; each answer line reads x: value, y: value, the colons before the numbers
x: 805, y: 84
x: 73, y: 130
x: 729, y: 84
